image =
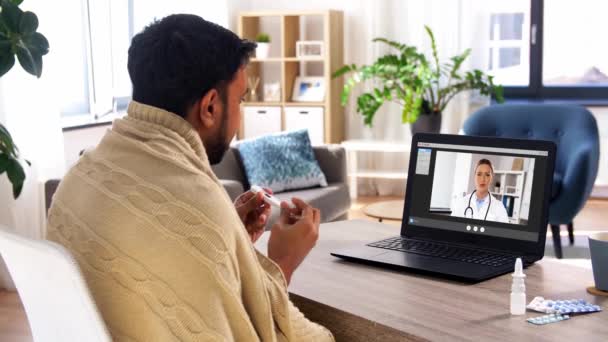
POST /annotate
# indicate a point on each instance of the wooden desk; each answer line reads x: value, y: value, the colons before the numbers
x: 364, y: 303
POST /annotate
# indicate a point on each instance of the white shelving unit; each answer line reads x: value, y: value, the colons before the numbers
x: 511, y: 186
x: 323, y: 119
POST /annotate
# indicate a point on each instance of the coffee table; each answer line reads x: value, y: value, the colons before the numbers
x: 385, y: 210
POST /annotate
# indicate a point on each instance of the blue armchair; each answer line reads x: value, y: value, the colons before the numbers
x: 573, y: 129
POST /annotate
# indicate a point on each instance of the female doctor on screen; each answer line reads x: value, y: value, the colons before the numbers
x: 480, y: 204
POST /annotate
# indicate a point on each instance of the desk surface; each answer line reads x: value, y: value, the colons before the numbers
x: 423, y: 307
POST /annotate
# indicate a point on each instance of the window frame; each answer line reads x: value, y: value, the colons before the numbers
x: 535, y: 90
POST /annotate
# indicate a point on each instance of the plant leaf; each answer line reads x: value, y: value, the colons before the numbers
x: 11, y: 15
x: 368, y: 106
x: 391, y: 43
x: 30, y: 60
x: 28, y: 23
x: 434, y: 48
x: 7, y: 60
x: 37, y: 43
x: 16, y: 2
x: 6, y: 143
x: 3, y: 162
x: 343, y: 70
x: 16, y: 176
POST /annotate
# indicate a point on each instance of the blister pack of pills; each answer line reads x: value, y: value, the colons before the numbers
x: 570, y: 306
x: 546, y: 319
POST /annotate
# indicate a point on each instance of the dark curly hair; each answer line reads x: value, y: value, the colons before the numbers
x: 177, y: 60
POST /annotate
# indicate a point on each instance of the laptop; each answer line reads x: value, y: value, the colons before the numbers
x: 472, y: 206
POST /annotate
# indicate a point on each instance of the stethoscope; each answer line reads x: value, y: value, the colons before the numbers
x: 471, y: 208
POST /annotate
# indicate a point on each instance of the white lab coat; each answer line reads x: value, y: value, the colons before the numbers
x: 497, y: 211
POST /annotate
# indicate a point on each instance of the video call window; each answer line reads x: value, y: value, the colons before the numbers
x: 482, y: 186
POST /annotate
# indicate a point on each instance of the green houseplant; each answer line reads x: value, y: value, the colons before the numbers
x: 263, y: 49
x: 18, y: 37
x: 262, y: 38
x: 422, y: 87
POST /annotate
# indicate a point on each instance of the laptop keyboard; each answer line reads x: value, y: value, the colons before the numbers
x: 445, y: 251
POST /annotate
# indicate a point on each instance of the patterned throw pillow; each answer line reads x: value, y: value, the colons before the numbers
x: 281, y: 162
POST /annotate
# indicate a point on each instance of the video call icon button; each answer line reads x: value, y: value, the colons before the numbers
x: 475, y: 228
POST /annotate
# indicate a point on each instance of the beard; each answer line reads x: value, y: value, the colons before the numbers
x: 217, y: 147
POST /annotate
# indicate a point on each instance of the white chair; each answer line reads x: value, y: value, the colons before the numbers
x: 55, y: 296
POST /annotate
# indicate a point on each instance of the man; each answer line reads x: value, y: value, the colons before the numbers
x: 163, y: 250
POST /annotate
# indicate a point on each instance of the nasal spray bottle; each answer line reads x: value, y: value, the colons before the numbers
x: 518, y: 290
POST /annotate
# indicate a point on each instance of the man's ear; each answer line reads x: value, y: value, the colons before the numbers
x: 209, y: 110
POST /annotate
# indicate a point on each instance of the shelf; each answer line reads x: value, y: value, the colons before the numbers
x: 304, y: 59
x: 269, y: 59
x: 509, y: 172
x: 379, y: 174
x: 501, y: 194
x: 261, y: 104
x: 304, y: 104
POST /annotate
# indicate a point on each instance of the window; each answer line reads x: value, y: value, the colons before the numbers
x: 540, y: 49
x: 94, y: 55
x: 575, y: 52
x: 508, y: 47
x: 94, y: 52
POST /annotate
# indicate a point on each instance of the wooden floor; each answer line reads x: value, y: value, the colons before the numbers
x: 13, y: 322
x: 14, y: 326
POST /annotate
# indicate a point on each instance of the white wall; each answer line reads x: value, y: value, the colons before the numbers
x: 443, y: 179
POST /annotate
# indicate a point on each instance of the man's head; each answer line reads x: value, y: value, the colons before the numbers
x: 195, y: 69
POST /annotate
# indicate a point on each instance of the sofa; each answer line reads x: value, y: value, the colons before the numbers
x: 333, y: 200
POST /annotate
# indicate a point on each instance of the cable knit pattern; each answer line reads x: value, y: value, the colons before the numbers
x: 162, y: 249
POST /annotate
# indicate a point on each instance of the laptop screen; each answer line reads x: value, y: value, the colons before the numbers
x: 478, y: 190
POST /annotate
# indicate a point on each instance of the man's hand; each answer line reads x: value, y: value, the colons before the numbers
x: 254, y: 212
x: 293, y: 236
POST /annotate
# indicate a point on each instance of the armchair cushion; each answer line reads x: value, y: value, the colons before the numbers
x: 557, y: 184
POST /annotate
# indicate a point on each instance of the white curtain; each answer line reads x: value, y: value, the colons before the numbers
x: 29, y: 110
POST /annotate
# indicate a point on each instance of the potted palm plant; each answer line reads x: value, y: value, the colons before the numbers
x: 18, y: 37
x: 422, y: 86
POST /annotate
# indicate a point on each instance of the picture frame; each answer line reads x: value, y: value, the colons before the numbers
x: 272, y: 92
x: 308, y: 89
x: 313, y: 49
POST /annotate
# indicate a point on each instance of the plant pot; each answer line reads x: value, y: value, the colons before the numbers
x: 427, y: 123
x: 262, y: 50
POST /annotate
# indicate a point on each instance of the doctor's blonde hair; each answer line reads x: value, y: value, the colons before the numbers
x: 485, y: 162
